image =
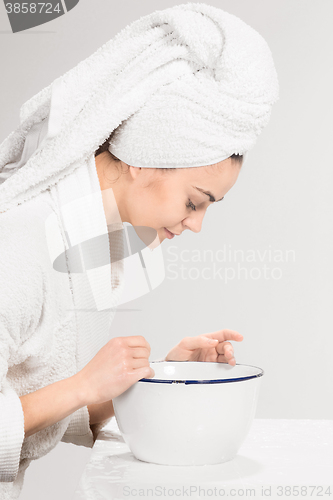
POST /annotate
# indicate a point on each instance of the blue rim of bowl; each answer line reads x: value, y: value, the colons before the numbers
x: 214, y: 381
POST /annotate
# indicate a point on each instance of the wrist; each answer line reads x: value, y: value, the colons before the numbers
x: 80, y: 389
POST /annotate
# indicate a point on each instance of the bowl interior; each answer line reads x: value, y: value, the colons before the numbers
x: 196, y: 371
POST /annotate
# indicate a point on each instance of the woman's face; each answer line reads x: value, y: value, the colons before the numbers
x: 173, y: 200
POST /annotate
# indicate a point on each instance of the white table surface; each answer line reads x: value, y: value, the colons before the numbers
x: 276, y: 454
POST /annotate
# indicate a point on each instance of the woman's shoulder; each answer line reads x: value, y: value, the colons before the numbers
x: 25, y: 221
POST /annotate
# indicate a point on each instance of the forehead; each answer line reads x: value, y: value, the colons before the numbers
x: 217, y: 178
x: 224, y: 169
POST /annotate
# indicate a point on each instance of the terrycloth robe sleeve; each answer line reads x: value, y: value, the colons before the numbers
x: 79, y: 431
x: 21, y: 285
x: 11, y: 429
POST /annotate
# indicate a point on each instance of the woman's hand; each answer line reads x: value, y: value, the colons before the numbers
x: 207, y: 347
x: 118, y: 364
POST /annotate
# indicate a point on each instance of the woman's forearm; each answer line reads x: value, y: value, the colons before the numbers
x: 100, y: 412
x: 51, y: 404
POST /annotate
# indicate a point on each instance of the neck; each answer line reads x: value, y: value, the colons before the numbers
x: 110, y: 175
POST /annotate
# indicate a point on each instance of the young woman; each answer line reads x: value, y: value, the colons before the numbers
x: 184, y: 92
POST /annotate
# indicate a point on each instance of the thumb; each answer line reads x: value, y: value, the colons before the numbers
x: 145, y: 372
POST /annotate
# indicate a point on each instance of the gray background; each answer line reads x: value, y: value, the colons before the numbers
x: 281, y: 201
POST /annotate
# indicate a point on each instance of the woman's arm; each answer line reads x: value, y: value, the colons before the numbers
x: 100, y: 412
x: 52, y: 403
x: 99, y: 415
x: 118, y: 364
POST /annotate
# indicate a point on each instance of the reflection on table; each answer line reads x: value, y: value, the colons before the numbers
x: 275, y: 453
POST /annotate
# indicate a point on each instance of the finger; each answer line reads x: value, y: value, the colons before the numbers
x: 201, y: 341
x: 222, y: 359
x: 137, y: 341
x: 145, y: 372
x: 225, y: 348
x: 135, y: 364
x: 140, y: 352
x: 226, y: 334
x: 232, y: 362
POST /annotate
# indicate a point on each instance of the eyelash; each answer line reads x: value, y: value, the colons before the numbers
x: 190, y: 205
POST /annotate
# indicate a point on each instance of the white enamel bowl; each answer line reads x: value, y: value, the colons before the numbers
x: 189, y: 413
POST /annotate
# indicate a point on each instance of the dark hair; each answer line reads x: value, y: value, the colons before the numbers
x: 237, y: 157
x: 104, y: 147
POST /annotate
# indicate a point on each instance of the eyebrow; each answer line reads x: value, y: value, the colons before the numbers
x: 208, y: 193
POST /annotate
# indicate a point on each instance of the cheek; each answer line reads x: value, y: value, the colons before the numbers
x: 171, y: 207
x: 164, y: 205
x: 153, y: 210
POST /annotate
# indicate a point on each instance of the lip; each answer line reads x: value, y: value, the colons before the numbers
x: 169, y: 234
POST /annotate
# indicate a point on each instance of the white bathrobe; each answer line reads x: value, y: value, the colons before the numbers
x: 51, y: 323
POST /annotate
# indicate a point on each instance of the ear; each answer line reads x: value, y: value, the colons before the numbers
x: 134, y: 171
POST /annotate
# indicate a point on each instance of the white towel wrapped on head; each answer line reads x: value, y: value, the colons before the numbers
x: 219, y: 104
x: 190, y: 85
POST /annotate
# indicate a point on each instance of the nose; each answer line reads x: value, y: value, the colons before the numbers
x: 194, y: 221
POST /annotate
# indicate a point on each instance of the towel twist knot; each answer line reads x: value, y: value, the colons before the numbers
x: 199, y: 33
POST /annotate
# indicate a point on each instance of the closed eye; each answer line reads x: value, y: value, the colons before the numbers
x: 191, y: 205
